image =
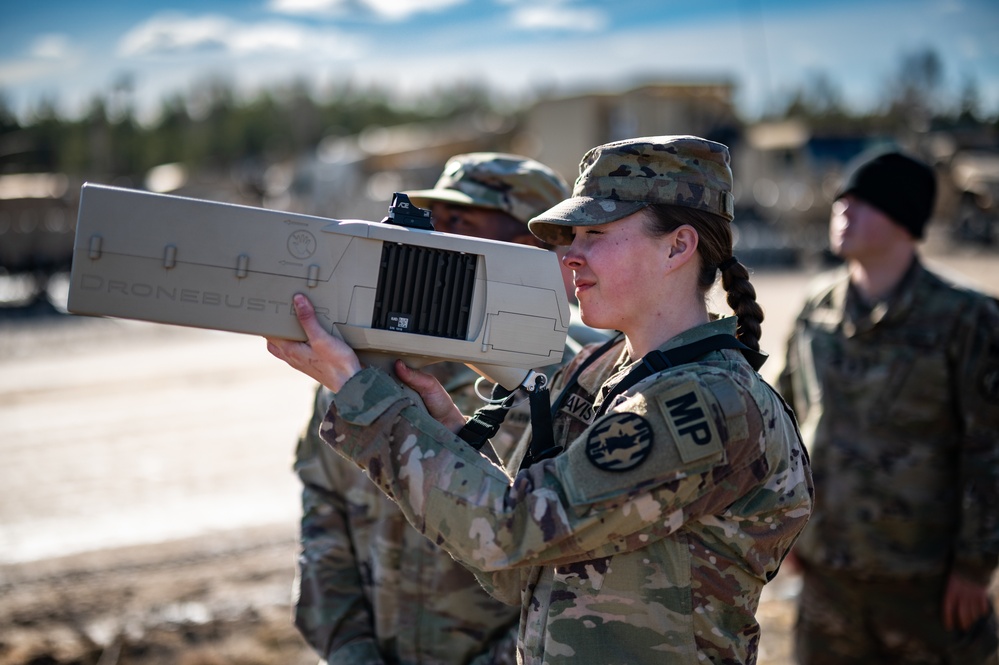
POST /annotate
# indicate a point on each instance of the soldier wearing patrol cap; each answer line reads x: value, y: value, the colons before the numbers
x: 371, y: 588
x: 894, y: 372
x: 491, y: 195
x: 643, y: 525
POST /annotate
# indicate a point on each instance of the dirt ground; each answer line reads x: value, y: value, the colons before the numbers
x: 148, y: 512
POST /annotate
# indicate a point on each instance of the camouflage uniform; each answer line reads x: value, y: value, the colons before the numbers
x: 664, y: 560
x: 372, y: 589
x: 899, y: 404
x: 650, y: 537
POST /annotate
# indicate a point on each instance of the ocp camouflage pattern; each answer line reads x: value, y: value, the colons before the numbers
x: 617, y: 179
x: 371, y: 588
x: 899, y: 405
x: 663, y: 562
x: 519, y: 186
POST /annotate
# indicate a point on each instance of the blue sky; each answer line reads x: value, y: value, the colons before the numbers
x: 67, y: 51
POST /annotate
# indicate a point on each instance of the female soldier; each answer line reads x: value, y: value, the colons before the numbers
x: 680, y: 483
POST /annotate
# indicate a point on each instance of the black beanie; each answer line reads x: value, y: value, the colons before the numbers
x: 899, y: 186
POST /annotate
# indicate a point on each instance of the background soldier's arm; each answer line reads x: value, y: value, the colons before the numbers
x: 331, y: 609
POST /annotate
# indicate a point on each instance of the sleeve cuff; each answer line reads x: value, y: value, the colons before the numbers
x: 366, y: 396
x: 360, y: 652
x: 977, y: 570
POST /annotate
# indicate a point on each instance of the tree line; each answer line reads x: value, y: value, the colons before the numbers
x: 211, y: 128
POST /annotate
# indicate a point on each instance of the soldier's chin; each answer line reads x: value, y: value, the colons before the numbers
x: 590, y: 317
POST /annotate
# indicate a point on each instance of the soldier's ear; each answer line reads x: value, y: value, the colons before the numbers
x: 682, y: 245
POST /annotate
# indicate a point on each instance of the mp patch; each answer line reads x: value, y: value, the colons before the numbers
x: 619, y: 442
x: 689, y: 421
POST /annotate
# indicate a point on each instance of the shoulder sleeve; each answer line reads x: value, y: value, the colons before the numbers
x: 547, y: 515
x: 685, y: 433
x: 976, y: 383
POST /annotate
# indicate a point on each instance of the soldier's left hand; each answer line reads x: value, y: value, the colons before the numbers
x: 327, y: 359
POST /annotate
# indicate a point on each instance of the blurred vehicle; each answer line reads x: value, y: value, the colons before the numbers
x: 37, y: 221
x: 37, y: 227
x: 967, y: 166
x: 788, y: 176
x: 975, y: 175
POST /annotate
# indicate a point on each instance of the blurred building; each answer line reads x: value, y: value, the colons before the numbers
x: 789, y: 174
x: 559, y: 131
x: 788, y: 178
x: 354, y: 177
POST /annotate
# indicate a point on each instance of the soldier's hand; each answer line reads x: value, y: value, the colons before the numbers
x: 965, y: 601
x: 327, y: 359
x: 439, y: 404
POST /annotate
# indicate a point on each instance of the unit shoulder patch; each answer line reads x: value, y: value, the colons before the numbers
x: 686, y: 413
x: 619, y: 442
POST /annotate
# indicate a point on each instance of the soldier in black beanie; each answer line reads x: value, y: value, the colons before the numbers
x: 899, y: 186
x: 893, y: 373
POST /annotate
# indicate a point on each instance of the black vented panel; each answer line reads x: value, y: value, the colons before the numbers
x: 425, y: 291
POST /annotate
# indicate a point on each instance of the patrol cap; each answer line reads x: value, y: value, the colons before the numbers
x: 620, y: 178
x: 519, y: 186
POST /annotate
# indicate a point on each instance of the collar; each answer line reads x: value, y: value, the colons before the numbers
x: 726, y: 325
x: 860, y: 317
x: 617, y: 363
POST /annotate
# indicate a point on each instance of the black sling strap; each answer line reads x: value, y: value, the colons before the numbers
x: 486, y: 421
x: 542, y: 444
x: 656, y: 361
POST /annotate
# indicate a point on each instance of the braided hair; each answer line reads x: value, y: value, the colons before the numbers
x: 715, y: 248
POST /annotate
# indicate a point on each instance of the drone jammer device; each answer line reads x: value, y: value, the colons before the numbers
x: 390, y: 289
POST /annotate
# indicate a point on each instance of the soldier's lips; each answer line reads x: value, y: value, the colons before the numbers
x: 583, y: 286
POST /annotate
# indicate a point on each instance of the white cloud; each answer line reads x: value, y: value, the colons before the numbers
x: 269, y: 37
x: 401, y: 9
x: 766, y: 56
x: 46, y: 56
x: 394, y: 10
x: 14, y: 72
x: 173, y: 33
x: 306, y: 7
x: 559, y: 18
x: 50, y: 47
x: 176, y: 34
